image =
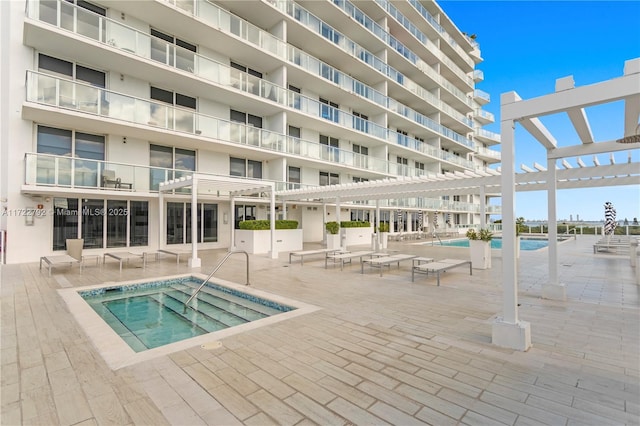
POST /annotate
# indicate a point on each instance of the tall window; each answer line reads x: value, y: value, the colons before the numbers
x: 330, y: 149
x: 167, y: 116
x: 361, y: 160
x: 163, y: 159
x: 101, y: 223
x: 86, y: 151
x: 294, y: 97
x: 419, y: 168
x: 403, y: 166
x: 360, y: 215
x: 293, y: 177
x: 403, y: 137
x: 245, y: 168
x: 329, y: 110
x: 293, y: 141
x: 82, y: 97
x: 87, y: 17
x: 243, y: 212
x: 327, y: 178
x: 360, y: 122
x: 248, y: 130
x: 172, y: 51
x: 245, y: 78
x: 179, y: 223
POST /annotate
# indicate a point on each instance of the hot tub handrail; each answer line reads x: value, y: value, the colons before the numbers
x: 224, y: 259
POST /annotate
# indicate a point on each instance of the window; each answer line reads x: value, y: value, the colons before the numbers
x: 164, y: 159
x: 172, y: 51
x: 245, y: 78
x: 329, y: 110
x: 243, y: 212
x: 360, y: 122
x: 245, y: 168
x: 361, y: 160
x: 293, y: 177
x: 293, y: 141
x: 83, y: 97
x: 360, y: 179
x: 360, y: 215
x: 294, y: 98
x: 179, y: 223
x: 403, y: 137
x: 87, y: 22
x: 402, y: 166
x: 248, y: 131
x: 181, y: 119
x: 330, y: 151
x: 67, y: 143
x: 101, y: 223
x: 327, y: 178
x: 419, y: 168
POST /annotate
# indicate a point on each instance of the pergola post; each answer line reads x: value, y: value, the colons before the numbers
x: 483, y: 207
x: 507, y: 330
x: 194, y: 261
x: 324, y: 223
x: 553, y: 289
x: 232, y: 223
x: 284, y: 210
x: 377, y: 224
x: 160, y: 219
x: 272, y: 209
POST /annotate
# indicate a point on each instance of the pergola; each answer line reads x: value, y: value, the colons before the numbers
x: 213, y: 185
x: 507, y: 330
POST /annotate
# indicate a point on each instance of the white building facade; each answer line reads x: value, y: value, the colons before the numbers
x: 105, y: 100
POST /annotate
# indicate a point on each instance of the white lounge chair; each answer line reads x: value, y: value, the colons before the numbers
x: 439, y: 266
x: 123, y: 256
x: 73, y: 255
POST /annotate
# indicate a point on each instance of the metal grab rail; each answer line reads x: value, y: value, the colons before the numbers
x: 224, y: 259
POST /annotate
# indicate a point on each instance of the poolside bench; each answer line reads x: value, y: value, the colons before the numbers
x: 381, y: 262
x: 57, y: 260
x: 302, y: 254
x: 175, y: 253
x: 346, y: 257
x: 122, y: 257
x: 615, y: 244
x: 439, y: 266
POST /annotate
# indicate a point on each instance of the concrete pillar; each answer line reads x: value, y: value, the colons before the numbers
x: 553, y: 289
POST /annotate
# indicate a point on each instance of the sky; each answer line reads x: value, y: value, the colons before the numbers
x: 526, y: 46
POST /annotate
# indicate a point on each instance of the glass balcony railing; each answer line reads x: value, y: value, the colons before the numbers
x: 477, y: 93
x: 485, y: 114
x: 487, y: 134
x: 478, y: 75
x: 314, y: 23
x: 146, y: 46
x: 409, y: 26
x: 81, y: 97
x: 81, y: 173
x: 488, y: 152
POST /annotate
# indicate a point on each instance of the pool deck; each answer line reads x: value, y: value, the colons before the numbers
x: 381, y: 350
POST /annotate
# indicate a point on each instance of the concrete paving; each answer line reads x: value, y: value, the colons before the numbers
x: 381, y: 350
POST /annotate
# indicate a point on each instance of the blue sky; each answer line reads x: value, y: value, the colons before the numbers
x: 526, y: 46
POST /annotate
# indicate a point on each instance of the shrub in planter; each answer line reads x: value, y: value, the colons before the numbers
x: 354, y: 224
x: 257, y: 225
x: 482, y: 235
x: 332, y: 227
x: 384, y: 227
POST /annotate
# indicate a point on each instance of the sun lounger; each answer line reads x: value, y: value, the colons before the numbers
x: 57, y: 260
x: 380, y: 262
x: 176, y: 253
x: 615, y: 244
x: 302, y: 254
x: 345, y: 257
x: 121, y: 257
x: 439, y: 266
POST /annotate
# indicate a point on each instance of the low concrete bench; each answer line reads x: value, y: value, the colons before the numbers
x: 439, y: 266
x: 345, y: 257
x: 302, y: 254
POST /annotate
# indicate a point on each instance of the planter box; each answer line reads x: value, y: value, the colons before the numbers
x: 480, y: 254
x: 259, y: 242
x: 357, y: 236
x: 333, y: 241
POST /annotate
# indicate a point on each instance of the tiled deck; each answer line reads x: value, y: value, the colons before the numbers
x: 381, y: 350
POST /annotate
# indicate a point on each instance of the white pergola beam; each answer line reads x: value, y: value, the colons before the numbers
x: 631, y: 115
x: 590, y: 149
x: 580, y: 122
x: 535, y: 127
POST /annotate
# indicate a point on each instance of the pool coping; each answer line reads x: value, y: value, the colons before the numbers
x: 118, y: 354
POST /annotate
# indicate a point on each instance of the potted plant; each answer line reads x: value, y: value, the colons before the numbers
x: 254, y: 236
x: 384, y: 234
x: 333, y: 236
x: 480, y: 248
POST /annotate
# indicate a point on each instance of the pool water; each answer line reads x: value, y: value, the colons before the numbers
x: 150, y: 315
x: 496, y: 243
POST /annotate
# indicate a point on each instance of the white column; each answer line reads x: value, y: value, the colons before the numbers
x: 272, y: 209
x: 507, y: 331
x: 377, y: 225
x: 483, y: 207
x: 232, y: 223
x: 161, y: 227
x: 284, y: 210
x: 324, y: 224
x: 194, y: 261
x: 553, y: 290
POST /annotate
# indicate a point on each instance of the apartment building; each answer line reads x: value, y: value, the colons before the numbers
x: 104, y: 100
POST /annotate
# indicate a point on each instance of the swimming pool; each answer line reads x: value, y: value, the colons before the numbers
x: 139, y: 320
x: 496, y: 243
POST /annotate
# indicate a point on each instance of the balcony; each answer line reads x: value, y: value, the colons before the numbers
x: 486, y: 136
x: 484, y: 117
x: 478, y: 75
x: 488, y: 155
x: 481, y: 97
